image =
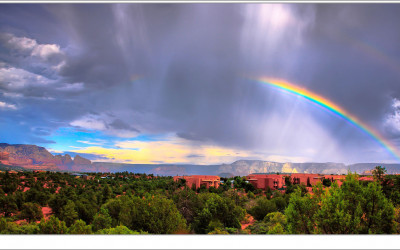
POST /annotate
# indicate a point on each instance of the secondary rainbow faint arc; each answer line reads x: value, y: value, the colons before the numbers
x: 291, y: 88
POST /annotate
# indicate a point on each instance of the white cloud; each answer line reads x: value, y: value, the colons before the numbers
x: 4, y: 105
x: 392, y: 121
x: 16, y: 78
x: 89, y: 142
x: 46, y: 50
x: 72, y: 87
x: 90, y: 122
x: 19, y: 43
x: 29, y: 46
x: 31, y: 54
x: 13, y: 95
x: 103, y: 123
x: 55, y: 151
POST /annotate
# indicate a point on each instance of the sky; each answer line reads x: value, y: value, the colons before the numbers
x: 178, y: 83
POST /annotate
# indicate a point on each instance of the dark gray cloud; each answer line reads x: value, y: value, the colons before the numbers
x: 194, y: 156
x: 189, y: 61
x: 119, y: 124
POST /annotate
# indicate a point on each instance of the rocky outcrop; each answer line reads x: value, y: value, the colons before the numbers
x: 27, y: 154
x: 78, y: 160
x: 32, y: 157
x: 64, y: 160
x: 245, y: 167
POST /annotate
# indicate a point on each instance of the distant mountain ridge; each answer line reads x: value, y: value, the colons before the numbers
x: 35, y: 157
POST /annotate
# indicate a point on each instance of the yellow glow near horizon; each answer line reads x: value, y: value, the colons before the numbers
x: 171, y: 151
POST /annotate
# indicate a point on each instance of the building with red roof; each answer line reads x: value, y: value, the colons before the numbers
x: 200, y: 180
x: 277, y: 181
x: 263, y: 181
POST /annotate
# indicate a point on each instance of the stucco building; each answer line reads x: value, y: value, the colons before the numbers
x: 263, y: 181
x: 199, y: 180
x: 277, y: 181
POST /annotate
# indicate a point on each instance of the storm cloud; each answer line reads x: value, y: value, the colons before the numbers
x: 181, y: 70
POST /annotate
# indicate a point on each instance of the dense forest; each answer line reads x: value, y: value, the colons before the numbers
x: 128, y: 203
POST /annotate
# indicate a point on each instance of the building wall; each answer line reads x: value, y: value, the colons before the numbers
x: 275, y: 181
x: 314, y: 178
x: 261, y: 181
x: 198, y: 180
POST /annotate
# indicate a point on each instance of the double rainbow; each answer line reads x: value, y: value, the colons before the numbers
x: 329, y: 105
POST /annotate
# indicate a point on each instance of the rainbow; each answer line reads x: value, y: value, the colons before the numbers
x: 375, y: 53
x: 134, y: 78
x: 329, y: 105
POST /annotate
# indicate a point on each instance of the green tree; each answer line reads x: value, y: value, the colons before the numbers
x: 52, y: 226
x: 31, y: 228
x: 118, y: 230
x: 107, y: 193
x: 114, y: 207
x: 37, y: 195
x: 217, y: 208
x: 248, y: 187
x: 273, y: 223
x: 156, y: 215
x: 8, y: 205
x: 181, y: 183
x: 378, y: 210
x: 19, y: 199
x: 251, y: 195
x: 8, y: 183
x: 339, y: 213
x: 188, y: 203
x: 276, y: 223
x: 3, y: 224
x: 86, y: 209
x: 300, y: 213
x: 80, y: 227
x: 31, y: 212
x: 327, y: 182
x: 57, y: 202
x: 308, y: 182
x: 379, y: 173
x: 350, y: 209
x: 234, y: 196
x: 69, y: 213
x: 288, y: 181
x: 280, y: 203
x: 218, y: 231
x: 13, y: 228
x: 101, y: 220
x: 396, y: 220
x: 262, y: 208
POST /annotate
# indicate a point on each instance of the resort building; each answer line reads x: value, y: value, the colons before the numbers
x: 306, y: 179
x: 199, y: 180
x: 277, y: 181
x: 263, y: 181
